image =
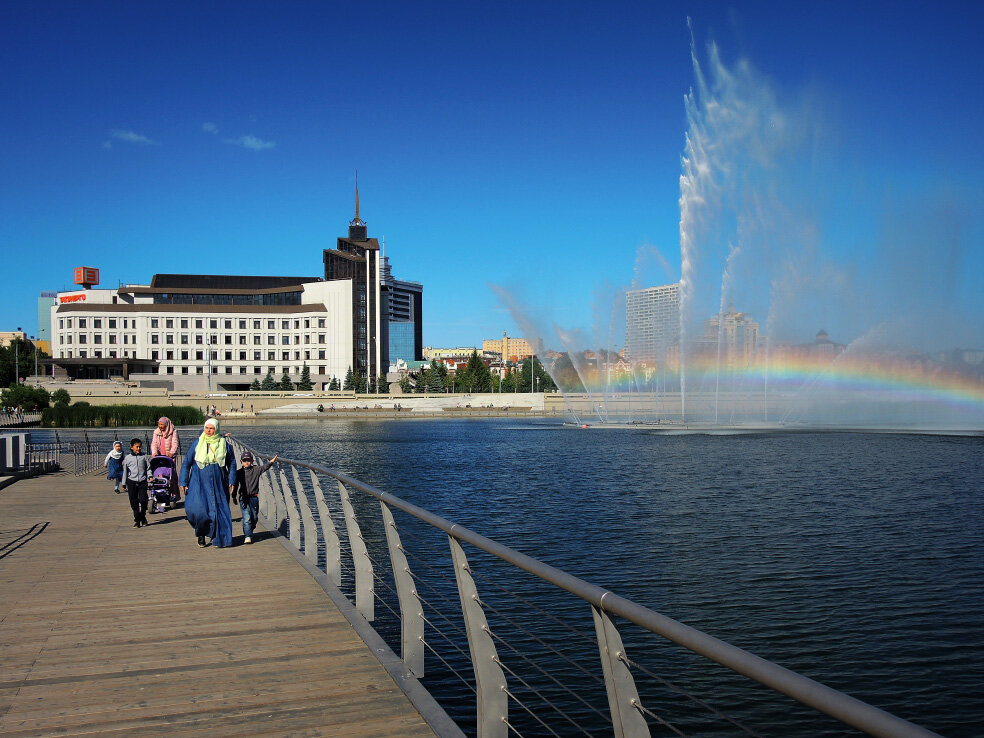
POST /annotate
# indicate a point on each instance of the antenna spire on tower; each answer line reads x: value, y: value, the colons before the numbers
x: 356, y: 219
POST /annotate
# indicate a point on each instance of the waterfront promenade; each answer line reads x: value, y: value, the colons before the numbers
x: 109, y: 630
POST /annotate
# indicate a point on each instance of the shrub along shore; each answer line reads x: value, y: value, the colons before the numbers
x: 84, y: 415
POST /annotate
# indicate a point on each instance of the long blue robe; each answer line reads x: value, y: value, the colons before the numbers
x: 206, y: 503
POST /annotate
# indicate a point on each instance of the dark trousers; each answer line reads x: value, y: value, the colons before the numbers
x: 137, y: 492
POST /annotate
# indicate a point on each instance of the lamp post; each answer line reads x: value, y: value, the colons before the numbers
x: 35, y: 347
x: 17, y: 358
x: 208, y: 353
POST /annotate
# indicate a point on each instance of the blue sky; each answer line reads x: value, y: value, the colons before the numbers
x: 533, y: 146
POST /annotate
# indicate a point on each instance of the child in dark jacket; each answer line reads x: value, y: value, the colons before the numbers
x: 136, y: 468
x: 247, y: 489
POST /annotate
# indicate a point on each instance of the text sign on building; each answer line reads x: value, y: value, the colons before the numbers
x: 86, y: 276
x: 72, y: 298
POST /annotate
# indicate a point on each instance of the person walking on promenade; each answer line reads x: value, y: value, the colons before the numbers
x: 114, y: 463
x: 207, y: 477
x: 247, y: 489
x: 166, y: 443
x: 135, y: 470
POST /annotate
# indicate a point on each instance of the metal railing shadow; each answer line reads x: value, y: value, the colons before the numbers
x: 339, y: 535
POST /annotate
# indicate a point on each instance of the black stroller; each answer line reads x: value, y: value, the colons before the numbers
x: 162, y: 484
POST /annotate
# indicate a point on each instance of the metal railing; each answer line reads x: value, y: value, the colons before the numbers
x: 16, y: 420
x: 302, y: 511
x: 43, y: 458
x: 87, y: 457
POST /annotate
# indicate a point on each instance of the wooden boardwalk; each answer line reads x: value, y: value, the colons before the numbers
x: 111, y: 630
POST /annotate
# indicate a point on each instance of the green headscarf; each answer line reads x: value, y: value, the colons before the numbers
x: 211, y: 449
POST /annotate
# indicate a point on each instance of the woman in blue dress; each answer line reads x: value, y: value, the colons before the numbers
x: 207, y: 476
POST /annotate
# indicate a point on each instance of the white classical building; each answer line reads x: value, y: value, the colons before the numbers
x: 200, y: 332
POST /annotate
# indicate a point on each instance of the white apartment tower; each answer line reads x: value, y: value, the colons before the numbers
x: 652, y: 322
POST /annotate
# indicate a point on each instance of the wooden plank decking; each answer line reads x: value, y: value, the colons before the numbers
x: 110, y: 630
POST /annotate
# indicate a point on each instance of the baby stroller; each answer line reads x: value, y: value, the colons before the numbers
x: 160, y: 486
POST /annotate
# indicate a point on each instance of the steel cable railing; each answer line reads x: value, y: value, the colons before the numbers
x: 696, y: 700
x: 290, y: 507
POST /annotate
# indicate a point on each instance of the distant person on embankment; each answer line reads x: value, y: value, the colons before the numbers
x: 114, y: 463
x: 207, y: 478
x: 136, y: 467
x: 247, y: 489
x: 165, y: 443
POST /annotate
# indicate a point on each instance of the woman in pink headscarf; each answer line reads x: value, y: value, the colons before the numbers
x: 165, y: 443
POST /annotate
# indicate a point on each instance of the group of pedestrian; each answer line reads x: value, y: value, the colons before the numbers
x: 208, y: 477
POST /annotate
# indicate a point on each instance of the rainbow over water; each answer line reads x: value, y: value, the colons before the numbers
x: 867, y: 379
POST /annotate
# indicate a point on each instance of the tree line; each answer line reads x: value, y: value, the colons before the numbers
x: 84, y: 415
x: 475, y: 376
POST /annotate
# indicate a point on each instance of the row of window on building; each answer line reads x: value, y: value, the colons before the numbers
x: 200, y: 339
x: 185, y: 323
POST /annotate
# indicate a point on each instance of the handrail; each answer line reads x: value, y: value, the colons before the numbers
x: 843, y: 707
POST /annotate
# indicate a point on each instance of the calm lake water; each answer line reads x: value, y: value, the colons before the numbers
x: 855, y: 559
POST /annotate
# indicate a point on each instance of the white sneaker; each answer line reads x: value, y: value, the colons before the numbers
x: 248, y: 540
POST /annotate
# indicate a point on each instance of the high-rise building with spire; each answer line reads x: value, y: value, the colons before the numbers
x: 357, y: 258
x: 380, y: 303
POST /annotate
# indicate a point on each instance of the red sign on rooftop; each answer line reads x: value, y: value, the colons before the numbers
x: 86, y: 276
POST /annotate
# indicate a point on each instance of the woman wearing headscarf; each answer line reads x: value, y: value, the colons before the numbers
x: 207, y: 477
x: 165, y: 443
x: 114, y: 464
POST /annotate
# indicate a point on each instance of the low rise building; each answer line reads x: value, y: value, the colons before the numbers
x: 205, y: 331
x: 509, y: 349
x: 431, y: 352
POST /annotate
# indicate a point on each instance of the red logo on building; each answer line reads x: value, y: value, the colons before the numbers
x: 86, y: 276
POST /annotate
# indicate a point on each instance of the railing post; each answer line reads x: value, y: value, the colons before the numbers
x: 623, y: 698
x: 333, y: 547
x: 364, y: 597
x: 267, y: 500
x: 490, y: 681
x: 411, y: 613
x: 310, y: 529
x: 274, y: 497
x: 293, y: 519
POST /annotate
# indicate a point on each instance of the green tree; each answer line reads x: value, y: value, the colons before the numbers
x: 383, y: 385
x: 406, y: 386
x: 544, y: 382
x: 420, y: 381
x: 567, y: 378
x: 349, y: 384
x: 475, y: 377
x: 269, y: 383
x: 304, y: 383
x: 23, y: 351
x: 255, y: 386
x: 285, y: 384
x: 437, y: 376
x: 25, y: 396
x: 61, y: 398
x: 334, y: 385
x: 509, y: 382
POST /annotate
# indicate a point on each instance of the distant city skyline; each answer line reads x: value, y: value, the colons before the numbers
x: 517, y: 162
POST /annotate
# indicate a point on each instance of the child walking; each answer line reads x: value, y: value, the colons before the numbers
x: 114, y: 463
x: 135, y: 469
x: 247, y: 488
